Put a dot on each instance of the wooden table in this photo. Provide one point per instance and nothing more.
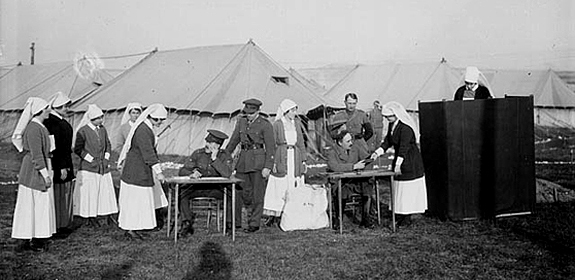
(376, 173)
(217, 182)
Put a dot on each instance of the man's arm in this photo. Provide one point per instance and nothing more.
(223, 164)
(190, 165)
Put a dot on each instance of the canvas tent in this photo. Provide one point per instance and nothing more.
(203, 87)
(412, 82)
(41, 80)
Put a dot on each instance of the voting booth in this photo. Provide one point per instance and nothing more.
(479, 157)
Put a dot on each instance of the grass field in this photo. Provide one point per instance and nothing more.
(537, 246)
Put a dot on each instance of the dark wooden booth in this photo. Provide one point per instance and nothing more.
(479, 157)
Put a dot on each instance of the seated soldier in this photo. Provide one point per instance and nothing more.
(345, 157)
(209, 161)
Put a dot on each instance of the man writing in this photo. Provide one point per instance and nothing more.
(345, 156)
(209, 161)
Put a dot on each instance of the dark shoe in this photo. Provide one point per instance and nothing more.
(270, 221)
(94, 222)
(23, 246)
(131, 235)
(38, 245)
(187, 229)
(251, 229)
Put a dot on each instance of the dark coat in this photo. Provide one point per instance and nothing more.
(338, 160)
(36, 146)
(403, 141)
(97, 145)
(140, 158)
(62, 155)
(480, 93)
(357, 123)
(258, 139)
(202, 161)
(280, 158)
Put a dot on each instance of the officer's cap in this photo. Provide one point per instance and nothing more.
(251, 105)
(216, 136)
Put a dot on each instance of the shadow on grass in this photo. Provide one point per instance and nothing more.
(118, 271)
(214, 264)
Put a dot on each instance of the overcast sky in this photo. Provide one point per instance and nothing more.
(299, 33)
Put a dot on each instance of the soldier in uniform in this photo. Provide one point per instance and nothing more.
(209, 161)
(255, 136)
(357, 123)
(376, 119)
(63, 134)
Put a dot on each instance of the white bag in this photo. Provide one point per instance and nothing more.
(305, 208)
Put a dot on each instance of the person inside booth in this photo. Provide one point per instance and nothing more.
(475, 86)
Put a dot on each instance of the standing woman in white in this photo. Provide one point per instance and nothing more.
(94, 193)
(409, 188)
(34, 214)
(140, 168)
(289, 161)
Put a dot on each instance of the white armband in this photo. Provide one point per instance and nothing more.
(44, 172)
(107, 156)
(379, 151)
(399, 161)
(157, 168)
(88, 158)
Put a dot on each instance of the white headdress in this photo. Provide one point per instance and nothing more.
(473, 75)
(59, 99)
(93, 112)
(285, 106)
(126, 116)
(34, 105)
(155, 111)
(394, 108)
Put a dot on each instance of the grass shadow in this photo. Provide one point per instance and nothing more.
(121, 271)
(214, 264)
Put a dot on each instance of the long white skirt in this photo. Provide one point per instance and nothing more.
(94, 194)
(34, 214)
(160, 200)
(137, 210)
(410, 196)
(276, 189)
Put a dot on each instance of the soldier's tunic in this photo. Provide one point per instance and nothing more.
(94, 192)
(357, 124)
(256, 140)
(62, 159)
(340, 160)
(202, 161)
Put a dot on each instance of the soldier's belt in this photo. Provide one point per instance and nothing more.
(252, 146)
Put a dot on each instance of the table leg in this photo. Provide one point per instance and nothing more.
(225, 208)
(176, 214)
(169, 209)
(340, 206)
(234, 212)
(392, 205)
(377, 201)
(329, 202)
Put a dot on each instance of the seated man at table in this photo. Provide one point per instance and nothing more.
(209, 161)
(346, 157)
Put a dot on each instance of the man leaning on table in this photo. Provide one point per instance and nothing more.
(344, 156)
(209, 161)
